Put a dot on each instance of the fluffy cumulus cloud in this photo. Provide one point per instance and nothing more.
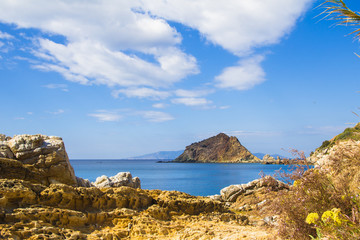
(103, 41)
(130, 46)
(236, 25)
(243, 76)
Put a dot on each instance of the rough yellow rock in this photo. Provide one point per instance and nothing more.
(58, 211)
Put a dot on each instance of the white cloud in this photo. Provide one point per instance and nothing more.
(5, 35)
(106, 116)
(60, 111)
(192, 93)
(245, 75)
(238, 26)
(115, 116)
(191, 101)
(159, 105)
(224, 107)
(62, 87)
(103, 40)
(130, 44)
(88, 62)
(142, 93)
(154, 116)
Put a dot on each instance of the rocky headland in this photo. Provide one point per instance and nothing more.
(218, 149)
(341, 146)
(41, 198)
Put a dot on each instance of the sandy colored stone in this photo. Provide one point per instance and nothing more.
(40, 158)
(232, 192)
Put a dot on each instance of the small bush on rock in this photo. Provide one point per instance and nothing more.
(322, 203)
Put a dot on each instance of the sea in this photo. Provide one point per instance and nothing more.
(199, 179)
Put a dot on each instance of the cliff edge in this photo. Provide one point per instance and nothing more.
(347, 142)
(218, 149)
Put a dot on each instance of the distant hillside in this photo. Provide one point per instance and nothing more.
(261, 155)
(160, 155)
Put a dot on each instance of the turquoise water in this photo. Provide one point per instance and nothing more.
(201, 179)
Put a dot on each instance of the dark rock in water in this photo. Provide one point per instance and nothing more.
(218, 149)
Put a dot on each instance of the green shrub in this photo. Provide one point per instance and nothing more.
(325, 144)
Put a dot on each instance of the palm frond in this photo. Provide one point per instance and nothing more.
(338, 11)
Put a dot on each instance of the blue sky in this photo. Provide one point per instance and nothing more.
(125, 78)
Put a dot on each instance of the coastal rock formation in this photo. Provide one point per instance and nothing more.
(58, 211)
(35, 158)
(40, 198)
(220, 148)
(232, 192)
(348, 143)
(120, 179)
(268, 158)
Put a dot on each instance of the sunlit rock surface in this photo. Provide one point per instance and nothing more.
(220, 148)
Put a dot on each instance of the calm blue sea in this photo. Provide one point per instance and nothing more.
(201, 179)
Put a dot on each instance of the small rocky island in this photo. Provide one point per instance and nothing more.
(218, 149)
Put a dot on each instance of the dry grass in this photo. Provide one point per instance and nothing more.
(331, 193)
(338, 11)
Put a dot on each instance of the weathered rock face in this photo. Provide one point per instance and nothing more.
(324, 157)
(268, 158)
(119, 180)
(36, 158)
(347, 142)
(58, 211)
(220, 148)
(40, 198)
(232, 192)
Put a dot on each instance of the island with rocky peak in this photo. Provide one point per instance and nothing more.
(218, 149)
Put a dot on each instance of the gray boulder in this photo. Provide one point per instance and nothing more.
(232, 192)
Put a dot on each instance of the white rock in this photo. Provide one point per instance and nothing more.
(120, 179)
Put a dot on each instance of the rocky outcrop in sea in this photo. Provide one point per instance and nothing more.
(218, 149)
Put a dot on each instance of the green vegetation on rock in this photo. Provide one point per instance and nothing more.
(349, 133)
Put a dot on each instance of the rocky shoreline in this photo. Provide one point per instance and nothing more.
(41, 198)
